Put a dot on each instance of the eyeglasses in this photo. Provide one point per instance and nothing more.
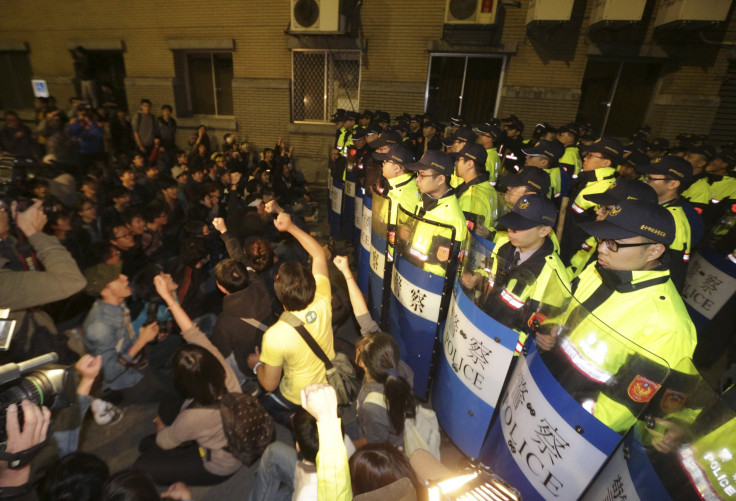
(124, 235)
(422, 176)
(651, 179)
(593, 155)
(614, 246)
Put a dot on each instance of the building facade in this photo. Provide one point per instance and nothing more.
(245, 67)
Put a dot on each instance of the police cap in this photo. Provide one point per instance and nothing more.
(359, 133)
(386, 138)
(624, 189)
(608, 146)
(529, 211)
(631, 218)
(708, 150)
(635, 160)
(570, 128)
(553, 150)
(435, 160)
(489, 128)
(474, 152)
(465, 134)
(671, 166)
(397, 153)
(534, 178)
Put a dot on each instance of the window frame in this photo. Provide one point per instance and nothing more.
(468, 55)
(187, 85)
(326, 52)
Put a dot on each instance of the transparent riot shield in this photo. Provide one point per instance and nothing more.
(357, 218)
(364, 249)
(348, 203)
(681, 448)
(568, 404)
(425, 261)
(490, 305)
(334, 215)
(710, 286)
(381, 235)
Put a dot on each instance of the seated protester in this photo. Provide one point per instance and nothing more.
(150, 182)
(524, 264)
(246, 314)
(88, 189)
(545, 155)
(193, 274)
(135, 221)
(86, 230)
(79, 476)
(113, 214)
(203, 377)
(286, 473)
(378, 465)
(208, 206)
(133, 258)
(138, 194)
(152, 239)
(476, 195)
(385, 399)
(333, 473)
(306, 295)
(200, 156)
(37, 187)
(621, 189)
(169, 194)
(194, 188)
(153, 309)
(108, 332)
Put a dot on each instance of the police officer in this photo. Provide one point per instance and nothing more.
(528, 180)
(545, 155)
(599, 168)
(630, 163)
(458, 139)
(397, 183)
(570, 161)
(431, 132)
(476, 195)
(667, 175)
(439, 204)
(511, 155)
(621, 189)
(415, 134)
(717, 186)
(529, 261)
(488, 136)
(628, 289)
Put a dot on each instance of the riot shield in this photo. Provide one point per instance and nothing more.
(425, 258)
(710, 284)
(357, 218)
(348, 203)
(681, 448)
(334, 215)
(364, 249)
(381, 233)
(478, 343)
(564, 410)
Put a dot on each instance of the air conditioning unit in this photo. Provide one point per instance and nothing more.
(671, 11)
(316, 17)
(549, 10)
(617, 10)
(471, 11)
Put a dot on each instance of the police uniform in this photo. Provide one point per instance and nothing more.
(571, 161)
(519, 283)
(643, 306)
(477, 197)
(588, 183)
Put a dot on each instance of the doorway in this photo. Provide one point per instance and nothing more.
(108, 67)
(616, 94)
(464, 84)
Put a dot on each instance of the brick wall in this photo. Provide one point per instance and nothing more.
(542, 81)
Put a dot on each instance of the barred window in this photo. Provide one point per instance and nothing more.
(323, 81)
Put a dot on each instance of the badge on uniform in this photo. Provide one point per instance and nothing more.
(672, 401)
(310, 317)
(443, 253)
(642, 389)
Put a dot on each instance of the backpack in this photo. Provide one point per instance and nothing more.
(247, 426)
(421, 432)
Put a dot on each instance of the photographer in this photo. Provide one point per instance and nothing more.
(24, 287)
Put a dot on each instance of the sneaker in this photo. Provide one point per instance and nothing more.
(105, 413)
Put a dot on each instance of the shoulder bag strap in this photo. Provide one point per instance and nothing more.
(297, 324)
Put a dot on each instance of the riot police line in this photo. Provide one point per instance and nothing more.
(596, 417)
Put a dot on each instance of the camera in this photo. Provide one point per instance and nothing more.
(38, 380)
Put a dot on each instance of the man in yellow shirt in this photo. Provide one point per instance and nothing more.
(305, 294)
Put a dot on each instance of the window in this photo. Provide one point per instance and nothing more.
(205, 82)
(16, 91)
(466, 85)
(323, 81)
